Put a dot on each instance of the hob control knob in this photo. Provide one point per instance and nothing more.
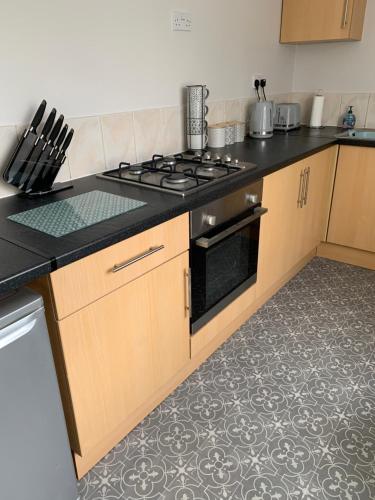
(210, 220)
(207, 155)
(217, 157)
(235, 161)
(227, 158)
(252, 198)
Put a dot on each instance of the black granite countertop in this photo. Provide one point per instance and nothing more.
(27, 253)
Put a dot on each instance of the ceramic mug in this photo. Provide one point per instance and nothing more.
(196, 101)
(197, 142)
(216, 136)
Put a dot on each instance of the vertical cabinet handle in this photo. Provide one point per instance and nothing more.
(345, 15)
(300, 190)
(306, 185)
(187, 277)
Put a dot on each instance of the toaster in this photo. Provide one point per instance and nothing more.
(287, 116)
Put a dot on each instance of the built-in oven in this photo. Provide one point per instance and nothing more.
(224, 251)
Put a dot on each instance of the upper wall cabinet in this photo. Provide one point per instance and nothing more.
(308, 21)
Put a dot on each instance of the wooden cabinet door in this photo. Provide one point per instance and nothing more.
(321, 20)
(352, 220)
(120, 349)
(279, 248)
(318, 193)
(288, 231)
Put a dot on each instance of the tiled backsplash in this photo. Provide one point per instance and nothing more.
(101, 142)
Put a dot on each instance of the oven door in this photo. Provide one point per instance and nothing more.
(223, 265)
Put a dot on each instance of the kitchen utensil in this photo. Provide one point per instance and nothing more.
(216, 136)
(43, 159)
(39, 143)
(59, 142)
(261, 120)
(51, 158)
(287, 116)
(61, 154)
(53, 168)
(24, 146)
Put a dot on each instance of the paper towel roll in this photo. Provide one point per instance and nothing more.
(317, 111)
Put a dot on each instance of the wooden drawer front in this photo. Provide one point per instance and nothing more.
(88, 279)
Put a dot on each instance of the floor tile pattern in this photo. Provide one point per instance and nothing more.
(285, 409)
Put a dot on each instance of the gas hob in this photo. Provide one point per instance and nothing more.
(181, 174)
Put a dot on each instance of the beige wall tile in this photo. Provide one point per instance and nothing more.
(147, 132)
(64, 173)
(232, 110)
(331, 110)
(86, 155)
(305, 99)
(216, 112)
(360, 103)
(8, 141)
(172, 131)
(279, 98)
(370, 117)
(118, 139)
(245, 104)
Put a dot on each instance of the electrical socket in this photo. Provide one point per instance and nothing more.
(256, 77)
(181, 21)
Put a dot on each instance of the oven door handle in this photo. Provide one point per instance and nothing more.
(209, 242)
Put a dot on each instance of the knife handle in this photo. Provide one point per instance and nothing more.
(67, 142)
(38, 116)
(48, 125)
(61, 138)
(56, 129)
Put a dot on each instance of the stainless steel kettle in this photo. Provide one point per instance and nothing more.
(261, 120)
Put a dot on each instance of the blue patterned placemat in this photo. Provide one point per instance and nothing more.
(66, 216)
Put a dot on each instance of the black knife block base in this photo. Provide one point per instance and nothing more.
(54, 189)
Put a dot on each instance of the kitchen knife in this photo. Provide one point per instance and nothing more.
(54, 169)
(65, 146)
(40, 184)
(24, 146)
(60, 139)
(39, 143)
(41, 162)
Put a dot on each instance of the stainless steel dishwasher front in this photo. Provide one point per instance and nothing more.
(35, 458)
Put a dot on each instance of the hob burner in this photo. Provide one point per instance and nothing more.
(169, 162)
(177, 178)
(136, 170)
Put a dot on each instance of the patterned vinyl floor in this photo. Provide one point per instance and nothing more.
(285, 409)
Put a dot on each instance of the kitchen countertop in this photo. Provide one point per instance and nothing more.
(27, 253)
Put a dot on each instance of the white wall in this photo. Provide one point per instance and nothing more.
(91, 57)
(338, 67)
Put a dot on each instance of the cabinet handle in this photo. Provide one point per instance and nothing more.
(133, 260)
(300, 191)
(345, 16)
(187, 276)
(306, 185)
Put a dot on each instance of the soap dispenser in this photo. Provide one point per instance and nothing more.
(349, 119)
